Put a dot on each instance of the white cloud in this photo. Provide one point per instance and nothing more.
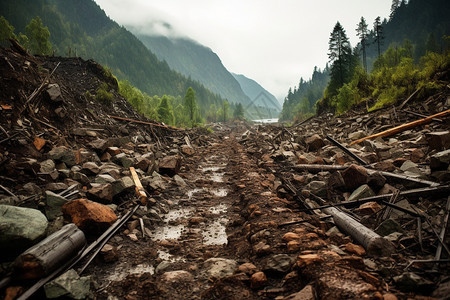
(274, 42)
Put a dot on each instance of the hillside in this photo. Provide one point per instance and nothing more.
(81, 28)
(197, 62)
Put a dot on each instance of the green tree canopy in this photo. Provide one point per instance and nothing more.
(6, 32)
(362, 32)
(165, 111)
(238, 113)
(190, 104)
(38, 37)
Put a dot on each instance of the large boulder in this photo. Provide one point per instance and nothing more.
(89, 216)
(20, 227)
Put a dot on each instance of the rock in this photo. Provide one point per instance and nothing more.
(122, 185)
(261, 248)
(307, 293)
(177, 276)
(56, 186)
(63, 154)
(411, 282)
(416, 155)
(123, 160)
(336, 181)
(318, 188)
(80, 177)
(290, 236)
(293, 246)
(376, 181)
(247, 268)
(387, 227)
(88, 215)
(54, 202)
(69, 285)
(387, 189)
(389, 296)
(170, 165)
(99, 145)
(369, 208)
(113, 151)
(356, 135)
(354, 176)
(278, 263)
(340, 158)
(363, 191)
(258, 280)
(440, 161)
(185, 149)
(15, 234)
(355, 249)
(90, 168)
(438, 140)
(314, 142)
(409, 166)
(101, 191)
(219, 267)
(308, 259)
(104, 178)
(442, 291)
(32, 188)
(142, 163)
(53, 92)
(179, 181)
(47, 166)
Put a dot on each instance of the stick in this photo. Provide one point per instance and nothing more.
(409, 98)
(142, 122)
(422, 115)
(140, 191)
(6, 190)
(444, 227)
(350, 153)
(403, 127)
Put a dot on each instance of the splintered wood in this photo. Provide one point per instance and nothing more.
(140, 191)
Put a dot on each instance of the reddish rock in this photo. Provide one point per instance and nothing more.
(307, 293)
(142, 163)
(389, 296)
(369, 208)
(290, 236)
(88, 215)
(39, 143)
(417, 155)
(386, 165)
(354, 176)
(355, 249)
(340, 158)
(247, 268)
(170, 165)
(314, 142)
(109, 253)
(258, 280)
(439, 140)
(187, 150)
(113, 151)
(308, 259)
(293, 246)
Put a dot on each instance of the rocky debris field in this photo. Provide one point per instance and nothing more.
(245, 212)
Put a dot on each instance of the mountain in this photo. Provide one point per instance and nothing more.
(257, 94)
(81, 28)
(196, 61)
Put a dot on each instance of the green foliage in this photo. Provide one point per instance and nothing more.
(238, 113)
(6, 32)
(190, 105)
(224, 111)
(102, 95)
(38, 37)
(165, 111)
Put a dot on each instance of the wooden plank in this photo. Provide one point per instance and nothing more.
(140, 191)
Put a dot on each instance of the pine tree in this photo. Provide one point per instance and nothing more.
(6, 32)
(239, 112)
(165, 111)
(340, 55)
(190, 104)
(38, 36)
(362, 32)
(395, 4)
(378, 31)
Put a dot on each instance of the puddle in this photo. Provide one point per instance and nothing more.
(168, 232)
(177, 213)
(215, 233)
(192, 192)
(217, 177)
(219, 192)
(221, 208)
(212, 169)
(123, 271)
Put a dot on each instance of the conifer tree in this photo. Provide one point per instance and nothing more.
(362, 32)
(340, 55)
(190, 104)
(6, 31)
(38, 37)
(378, 31)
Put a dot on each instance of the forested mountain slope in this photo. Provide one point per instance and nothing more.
(81, 28)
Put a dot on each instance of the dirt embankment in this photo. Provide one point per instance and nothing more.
(229, 213)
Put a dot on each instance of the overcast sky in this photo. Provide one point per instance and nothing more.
(274, 42)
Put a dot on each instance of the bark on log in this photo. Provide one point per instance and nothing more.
(140, 191)
(44, 257)
(403, 127)
(374, 244)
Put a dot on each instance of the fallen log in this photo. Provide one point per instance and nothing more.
(403, 127)
(142, 122)
(374, 244)
(351, 154)
(44, 257)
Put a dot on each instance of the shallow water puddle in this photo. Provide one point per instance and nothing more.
(221, 208)
(219, 192)
(121, 272)
(217, 177)
(177, 214)
(168, 232)
(215, 233)
(191, 193)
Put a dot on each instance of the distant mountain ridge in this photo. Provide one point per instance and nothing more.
(257, 94)
(196, 61)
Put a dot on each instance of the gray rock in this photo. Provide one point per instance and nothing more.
(438, 140)
(357, 135)
(122, 185)
(318, 188)
(47, 166)
(179, 181)
(101, 191)
(90, 168)
(63, 154)
(307, 293)
(17, 234)
(80, 177)
(54, 92)
(280, 263)
(440, 161)
(104, 178)
(410, 167)
(411, 282)
(56, 186)
(99, 144)
(32, 188)
(220, 267)
(389, 226)
(361, 192)
(69, 285)
(314, 142)
(123, 160)
(53, 205)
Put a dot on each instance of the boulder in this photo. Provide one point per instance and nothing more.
(90, 168)
(99, 145)
(47, 166)
(354, 176)
(69, 285)
(88, 215)
(170, 165)
(220, 267)
(314, 142)
(20, 227)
